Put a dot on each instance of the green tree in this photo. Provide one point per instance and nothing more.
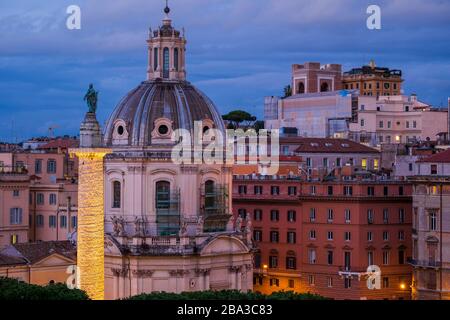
(239, 119)
(287, 91)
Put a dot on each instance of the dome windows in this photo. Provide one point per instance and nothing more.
(120, 130)
(166, 64)
(163, 129)
(120, 133)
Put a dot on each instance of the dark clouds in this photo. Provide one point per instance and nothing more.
(238, 51)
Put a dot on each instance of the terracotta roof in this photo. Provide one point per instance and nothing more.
(60, 143)
(438, 157)
(328, 145)
(35, 252)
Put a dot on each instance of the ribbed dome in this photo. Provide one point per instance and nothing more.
(178, 101)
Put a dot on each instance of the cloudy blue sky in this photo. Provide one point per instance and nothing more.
(238, 52)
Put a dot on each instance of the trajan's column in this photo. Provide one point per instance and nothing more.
(90, 230)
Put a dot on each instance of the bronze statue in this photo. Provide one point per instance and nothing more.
(91, 99)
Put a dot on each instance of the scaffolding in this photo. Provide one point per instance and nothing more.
(168, 212)
(215, 207)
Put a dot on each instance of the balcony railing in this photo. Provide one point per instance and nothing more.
(13, 170)
(424, 263)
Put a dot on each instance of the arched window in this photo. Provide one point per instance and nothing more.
(324, 87)
(167, 209)
(116, 194)
(175, 58)
(210, 196)
(155, 58)
(166, 64)
(301, 88)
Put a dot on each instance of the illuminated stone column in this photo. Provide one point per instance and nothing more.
(91, 228)
(91, 231)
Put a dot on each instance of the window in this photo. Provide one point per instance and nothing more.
(37, 166)
(273, 262)
(414, 124)
(364, 164)
(312, 190)
(291, 216)
(16, 193)
(274, 190)
(63, 221)
(401, 257)
(291, 283)
(52, 221)
(312, 234)
(385, 190)
(52, 199)
(432, 221)
(274, 236)
(338, 162)
(385, 282)
(330, 190)
(389, 124)
(312, 214)
(292, 191)
(274, 215)
(308, 162)
(407, 124)
(312, 256)
(385, 257)
(242, 189)
(386, 216)
(175, 58)
(330, 215)
(15, 216)
(330, 257)
(274, 282)
(410, 167)
(117, 190)
(155, 59)
(369, 236)
(39, 220)
(370, 191)
(291, 263)
(330, 235)
(40, 198)
(376, 164)
(325, 162)
(257, 235)
(74, 222)
(370, 260)
(257, 260)
(14, 239)
(381, 124)
(347, 216)
(242, 213)
(258, 189)
(291, 237)
(167, 211)
(329, 282)
(348, 190)
(347, 260)
(362, 123)
(51, 166)
(401, 215)
(257, 215)
(311, 280)
(385, 235)
(166, 62)
(347, 236)
(370, 217)
(400, 191)
(347, 283)
(433, 169)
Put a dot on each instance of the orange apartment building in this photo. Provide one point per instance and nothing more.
(48, 202)
(320, 235)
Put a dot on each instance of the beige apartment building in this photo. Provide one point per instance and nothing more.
(431, 228)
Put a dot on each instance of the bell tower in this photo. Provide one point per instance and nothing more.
(166, 51)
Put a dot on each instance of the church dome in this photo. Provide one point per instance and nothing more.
(150, 112)
(163, 103)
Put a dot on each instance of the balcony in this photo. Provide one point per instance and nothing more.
(424, 263)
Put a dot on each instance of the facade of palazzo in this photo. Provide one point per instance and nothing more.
(168, 227)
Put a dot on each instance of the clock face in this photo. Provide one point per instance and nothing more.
(386, 85)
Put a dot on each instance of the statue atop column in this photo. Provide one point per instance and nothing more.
(91, 99)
